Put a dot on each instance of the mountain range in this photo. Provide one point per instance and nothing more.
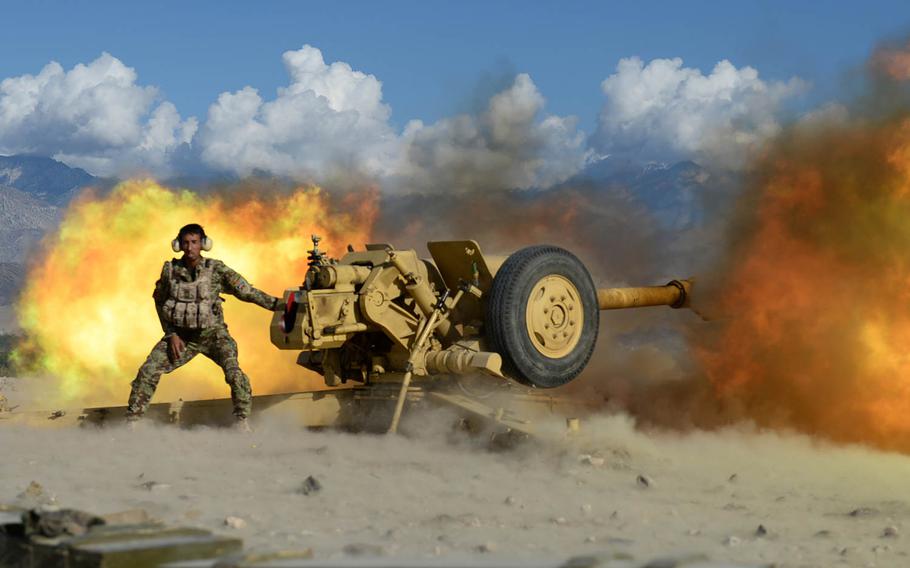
(35, 190)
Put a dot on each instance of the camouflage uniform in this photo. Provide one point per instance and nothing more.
(188, 303)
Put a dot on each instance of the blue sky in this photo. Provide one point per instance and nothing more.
(436, 60)
(431, 56)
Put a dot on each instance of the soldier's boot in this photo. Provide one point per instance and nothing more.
(241, 394)
(142, 389)
(135, 410)
(241, 424)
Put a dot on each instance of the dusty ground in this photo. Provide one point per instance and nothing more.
(426, 494)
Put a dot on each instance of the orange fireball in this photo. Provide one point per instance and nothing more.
(87, 308)
(818, 287)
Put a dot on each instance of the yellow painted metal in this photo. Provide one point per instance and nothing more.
(674, 294)
(554, 316)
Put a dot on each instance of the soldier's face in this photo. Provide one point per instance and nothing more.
(191, 245)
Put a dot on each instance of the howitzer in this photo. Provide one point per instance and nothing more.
(531, 317)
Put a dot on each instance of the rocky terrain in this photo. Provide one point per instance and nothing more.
(738, 495)
(33, 192)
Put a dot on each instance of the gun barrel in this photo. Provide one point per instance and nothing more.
(675, 294)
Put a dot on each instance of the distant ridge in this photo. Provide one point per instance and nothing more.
(45, 179)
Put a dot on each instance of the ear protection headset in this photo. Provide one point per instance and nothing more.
(206, 243)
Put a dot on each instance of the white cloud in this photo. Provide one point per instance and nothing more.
(508, 146)
(94, 116)
(664, 111)
(330, 117)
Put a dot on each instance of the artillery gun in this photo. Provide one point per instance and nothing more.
(379, 318)
(384, 314)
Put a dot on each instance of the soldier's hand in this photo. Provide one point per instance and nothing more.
(175, 347)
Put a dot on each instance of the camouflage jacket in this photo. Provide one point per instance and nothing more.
(214, 278)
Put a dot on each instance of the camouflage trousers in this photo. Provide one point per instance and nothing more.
(216, 344)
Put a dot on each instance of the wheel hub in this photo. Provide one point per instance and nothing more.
(554, 316)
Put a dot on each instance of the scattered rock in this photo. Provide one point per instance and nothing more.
(129, 517)
(677, 561)
(559, 520)
(732, 541)
(644, 481)
(363, 549)
(890, 532)
(863, 512)
(693, 532)
(586, 508)
(34, 491)
(824, 533)
(599, 560)
(154, 486)
(52, 522)
(589, 459)
(733, 478)
(442, 519)
(35, 495)
(234, 522)
(509, 500)
(486, 547)
(591, 539)
(615, 515)
(310, 485)
(761, 531)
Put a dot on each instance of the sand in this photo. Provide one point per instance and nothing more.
(430, 494)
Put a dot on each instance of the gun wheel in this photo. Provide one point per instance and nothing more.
(554, 316)
(542, 316)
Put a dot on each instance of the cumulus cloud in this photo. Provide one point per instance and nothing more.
(664, 111)
(329, 117)
(508, 146)
(94, 116)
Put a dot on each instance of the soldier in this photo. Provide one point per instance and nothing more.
(187, 298)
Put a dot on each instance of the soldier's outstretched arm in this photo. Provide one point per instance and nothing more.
(236, 285)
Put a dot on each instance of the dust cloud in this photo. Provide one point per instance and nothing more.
(610, 487)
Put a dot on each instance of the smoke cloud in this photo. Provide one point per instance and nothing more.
(509, 146)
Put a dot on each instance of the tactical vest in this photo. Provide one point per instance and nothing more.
(192, 305)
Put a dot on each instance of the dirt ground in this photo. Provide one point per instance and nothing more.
(737, 495)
